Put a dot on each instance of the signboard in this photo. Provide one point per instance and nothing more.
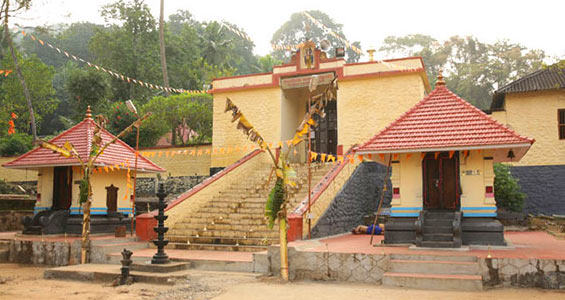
(304, 81)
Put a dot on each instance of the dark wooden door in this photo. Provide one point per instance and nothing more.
(112, 198)
(324, 138)
(62, 187)
(441, 181)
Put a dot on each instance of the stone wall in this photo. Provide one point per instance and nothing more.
(44, 253)
(12, 220)
(328, 266)
(544, 187)
(525, 273)
(358, 197)
(174, 186)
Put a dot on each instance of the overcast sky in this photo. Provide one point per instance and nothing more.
(535, 24)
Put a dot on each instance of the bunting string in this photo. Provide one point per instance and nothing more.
(105, 70)
(333, 33)
(238, 32)
(11, 125)
(5, 72)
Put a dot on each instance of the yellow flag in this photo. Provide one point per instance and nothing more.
(331, 158)
(215, 150)
(289, 142)
(208, 151)
(199, 152)
(160, 153)
(313, 155)
(323, 157)
(351, 159)
(296, 140)
(192, 152)
(229, 149)
(106, 169)
(168, 153)
(280, 144)
(340, 158)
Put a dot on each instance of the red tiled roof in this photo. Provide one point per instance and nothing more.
(80, 136)
(442, 120)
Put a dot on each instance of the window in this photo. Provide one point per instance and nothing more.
(561, 123)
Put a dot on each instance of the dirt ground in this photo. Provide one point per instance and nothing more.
(26, 282)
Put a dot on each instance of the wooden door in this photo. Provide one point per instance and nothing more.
(62, 187)
(441, 181)
(112, 198)
(324, 137)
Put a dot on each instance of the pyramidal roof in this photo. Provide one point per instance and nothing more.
(442, 121)
(80, 136)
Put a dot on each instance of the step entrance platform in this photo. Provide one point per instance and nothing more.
(109, 273)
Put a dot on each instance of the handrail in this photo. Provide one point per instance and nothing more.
(321, 187)
(208, 181)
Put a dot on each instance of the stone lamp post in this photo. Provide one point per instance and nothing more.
(161, 257)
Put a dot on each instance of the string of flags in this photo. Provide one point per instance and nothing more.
(333, 33)
(102, 69)
(238, 32)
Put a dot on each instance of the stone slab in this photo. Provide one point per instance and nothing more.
(160, 268)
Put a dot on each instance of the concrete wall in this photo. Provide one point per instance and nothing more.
(544, 187)
(525, 273)
(180, 161)
(534, 115)
(358, 197)
(15, 175)
(365, 106)
(262, 107)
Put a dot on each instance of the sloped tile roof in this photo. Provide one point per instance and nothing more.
(80, 136)
(551, 78)
(442, 120)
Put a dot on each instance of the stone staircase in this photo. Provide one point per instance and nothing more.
(434, 272)
(438, 229)
(233, 220)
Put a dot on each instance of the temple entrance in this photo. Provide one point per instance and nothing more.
(324, 137)
(62, 188)
(112, 198)
(441, 181)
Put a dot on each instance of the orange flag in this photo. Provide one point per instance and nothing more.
(408, 155)
(289, 142)
(395, 156)
(360, 157)
(199, 152)
(370, 156)
(207, 151)
(436, 155)
(351, 159)
(382, 156)
(451, 154)
(106, 169)
(422, 155)
(465, 153)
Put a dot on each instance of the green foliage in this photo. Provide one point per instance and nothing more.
(15, 144)
(39, 79)
(83, 190)
(473, 69)
(507, 190)
(179, 113)
(7, 188)
(88, 88)
(274, 202)
(266, 63)
(120, 117)
(294, 32)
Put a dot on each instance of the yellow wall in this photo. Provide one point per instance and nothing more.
(534, 115)
(475, 173)
(366, 106)
(99, 183)
(182, 163)
(262, 107)
(14, 174)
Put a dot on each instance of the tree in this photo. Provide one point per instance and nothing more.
(119, 117)
(179, 113)
(88, 88)
(295, 31)
(266, 63)
(507, 190)
(474, 70)
(129, 46)
(39, 79)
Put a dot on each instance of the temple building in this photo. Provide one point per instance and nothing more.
(57, 209)
(534, 105)
(441, 153)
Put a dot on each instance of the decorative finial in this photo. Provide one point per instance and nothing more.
(371, 54)
(440, 81)
(88, 113)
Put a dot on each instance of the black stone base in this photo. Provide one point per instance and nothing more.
(98, 223)
(400, 231)
(475, 231)
(46, 222)
(482, 231)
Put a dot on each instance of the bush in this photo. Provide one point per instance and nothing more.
(15, 144)
(507, 190)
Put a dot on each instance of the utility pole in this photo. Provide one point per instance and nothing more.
(162, 48)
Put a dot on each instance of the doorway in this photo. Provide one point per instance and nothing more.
(62, 187)
(441, 181)
(112, 198)
(324, 136)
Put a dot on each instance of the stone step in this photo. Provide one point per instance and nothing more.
(434, 281)
(438, 223)
(225, 227)
(421, 257)
(222, 240)
(220, 233)
(99, 252)
(217, 247)
(205, 221)
(112, 240)
(438, 237)
(439, 244)
(437, 229)
(434, 267)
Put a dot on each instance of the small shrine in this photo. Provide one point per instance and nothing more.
(57, 209)
(441, 153)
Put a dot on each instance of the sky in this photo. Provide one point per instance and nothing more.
(535, 24)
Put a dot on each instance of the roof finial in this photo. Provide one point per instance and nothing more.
(440, 81)
(88, 113)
